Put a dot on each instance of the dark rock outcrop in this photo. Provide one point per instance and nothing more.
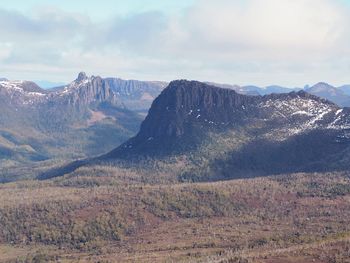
(185, 101)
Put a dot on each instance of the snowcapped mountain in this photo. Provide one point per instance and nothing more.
(22, 92)
(131, 94)
(84, 118)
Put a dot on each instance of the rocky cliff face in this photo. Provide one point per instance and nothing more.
(134, 94)
(135, 88)
(86, 90)
(183, 102)
(130, 94)
(80, 93)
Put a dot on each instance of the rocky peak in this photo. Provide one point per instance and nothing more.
(184, 102)
(85, 90)
(81, 77)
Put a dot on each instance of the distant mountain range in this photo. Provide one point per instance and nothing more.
(255, 90)
(340, 95)
(92, 115)
(138, 95)
(88, 117)
(215, 133)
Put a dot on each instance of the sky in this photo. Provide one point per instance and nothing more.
(245, 42)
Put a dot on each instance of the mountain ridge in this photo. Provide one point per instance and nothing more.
(189, 117)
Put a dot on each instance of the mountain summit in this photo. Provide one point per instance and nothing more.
(81, 76)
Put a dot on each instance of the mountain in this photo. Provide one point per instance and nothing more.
(189, 109)
(82, 119)
(53, 111)
(216, 133)
(337, 95)
(134, 95)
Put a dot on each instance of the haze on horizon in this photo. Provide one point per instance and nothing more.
(259, 42)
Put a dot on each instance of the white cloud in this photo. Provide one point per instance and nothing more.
(250, 39)
(265, 28)
(290, 42)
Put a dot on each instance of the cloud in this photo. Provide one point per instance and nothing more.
(270, 25)
(252, 38)
(244, 41)
(49, 24)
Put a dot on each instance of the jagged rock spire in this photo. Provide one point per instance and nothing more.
(81, 76)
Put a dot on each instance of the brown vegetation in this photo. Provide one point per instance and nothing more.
(112, 215)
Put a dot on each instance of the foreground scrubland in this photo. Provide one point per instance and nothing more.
(114, 215)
